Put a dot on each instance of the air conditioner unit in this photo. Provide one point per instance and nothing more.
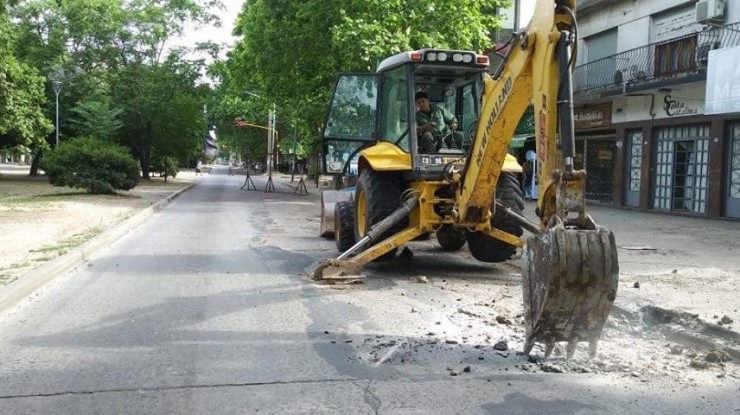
(710, 11)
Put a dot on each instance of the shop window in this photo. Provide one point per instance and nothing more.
(682, 168)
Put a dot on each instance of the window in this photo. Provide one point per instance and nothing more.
(351, 120)
(469, 116)
(635, 160)
(601, 50)
(676, 56)
(682, 168)
(394, 120)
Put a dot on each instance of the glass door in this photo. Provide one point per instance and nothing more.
(732, 202)
(634, 168)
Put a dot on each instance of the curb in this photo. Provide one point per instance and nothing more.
(28, 282)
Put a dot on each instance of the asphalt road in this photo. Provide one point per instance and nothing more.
(204, 309)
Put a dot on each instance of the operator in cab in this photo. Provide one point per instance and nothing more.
(435, 125)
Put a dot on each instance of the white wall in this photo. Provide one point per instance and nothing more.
(507, 17)
(633, 34)
(605, 16)
(732, 11)
(526, 11)
(688, 100)
(633, 17)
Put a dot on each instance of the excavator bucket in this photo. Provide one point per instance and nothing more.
(329, 200)
(570, 279)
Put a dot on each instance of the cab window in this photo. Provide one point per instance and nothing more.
(394, 117)
(351, 121)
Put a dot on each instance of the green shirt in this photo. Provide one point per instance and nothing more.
(438, 115)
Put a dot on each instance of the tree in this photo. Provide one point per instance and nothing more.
(293, 51)
(96, 119)
(114, 52)
(22, 121)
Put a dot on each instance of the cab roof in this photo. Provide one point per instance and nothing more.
(437, 57)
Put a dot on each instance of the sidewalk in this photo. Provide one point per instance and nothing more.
(51, 229)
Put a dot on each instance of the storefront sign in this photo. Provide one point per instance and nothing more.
(593, 116)
(723, 81)
(676, 107)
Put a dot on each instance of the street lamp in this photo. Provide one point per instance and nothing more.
(57, 85)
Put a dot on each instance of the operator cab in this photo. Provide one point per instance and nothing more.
(379, 110)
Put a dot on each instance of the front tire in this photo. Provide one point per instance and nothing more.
(377, 195)
(487, 249)
(344, 222)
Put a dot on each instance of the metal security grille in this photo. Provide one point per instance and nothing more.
(663, 175)
(682, 168)
(599, 165)
(735, 163)
(635, 160)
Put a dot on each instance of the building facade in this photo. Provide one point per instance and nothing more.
(644, 131)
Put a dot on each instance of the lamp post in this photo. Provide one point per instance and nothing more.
(57, 85)
(295, 155)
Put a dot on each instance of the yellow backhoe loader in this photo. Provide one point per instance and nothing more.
(464, 187)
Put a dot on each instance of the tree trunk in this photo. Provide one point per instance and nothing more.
(34, 171)
(144, 160)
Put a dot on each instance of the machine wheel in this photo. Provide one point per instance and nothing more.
(487, 249)
(344, 222)
(450, 238)
(377, 195)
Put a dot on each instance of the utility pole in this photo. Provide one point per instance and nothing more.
(295, 155)
(57, 84)
(269, 187)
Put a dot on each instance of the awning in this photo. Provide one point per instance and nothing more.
(518, 140)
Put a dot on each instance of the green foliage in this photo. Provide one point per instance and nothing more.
(92, 164)
(111, 52)
(21, 92)
(165, 166)
(96, 119)
(293, 51)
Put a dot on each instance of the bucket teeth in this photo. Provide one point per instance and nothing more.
(570, 279)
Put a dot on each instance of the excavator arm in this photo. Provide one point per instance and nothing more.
(570, 268)
(531, 73)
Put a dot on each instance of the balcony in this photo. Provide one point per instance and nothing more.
(676, 61)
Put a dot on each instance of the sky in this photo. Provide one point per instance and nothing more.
(222, 34)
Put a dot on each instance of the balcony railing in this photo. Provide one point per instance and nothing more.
(678, 60)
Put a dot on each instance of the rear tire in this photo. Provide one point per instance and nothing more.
(450, 238)
(377, 195)
(487, 249)
(344, 221)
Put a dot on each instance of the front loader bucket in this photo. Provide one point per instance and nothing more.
(329, 200)
(570, 279)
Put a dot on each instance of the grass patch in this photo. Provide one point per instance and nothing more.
(66, 244)
(6, 278)
(44, 258)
